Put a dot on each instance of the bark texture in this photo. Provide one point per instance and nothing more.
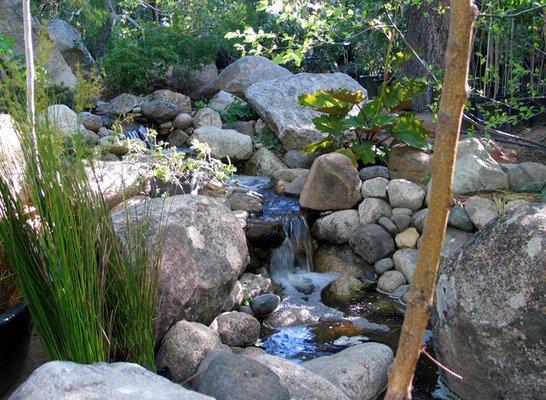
(426, 33)
(454, 94)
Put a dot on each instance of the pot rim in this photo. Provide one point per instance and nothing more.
(13, 312)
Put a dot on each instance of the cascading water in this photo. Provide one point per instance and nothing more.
(295, 255)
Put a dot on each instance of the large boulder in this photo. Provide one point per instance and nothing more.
(57, 70)
(11, 154)
(181, 101)
(119, 105)
(118, 381)
(276, 101)
(263, 162)
(489, 318)
(68, 41)
(225, 143)
(359, 371)
(63, 118)
(183, 348)
(204, 251)
(476, 170)
(236, 377)
(331, 175)
(245, 71)
(526, 177)
(117, 181)
(300, 382)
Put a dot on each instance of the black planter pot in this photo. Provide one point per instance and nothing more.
(15, 334)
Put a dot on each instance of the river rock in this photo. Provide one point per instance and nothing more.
(330, 175)
(245, 201)
(372, 242)
(375, 171)
(388, 225)
(339, 259)
(236, 329)
(183, 348)
(419, 218)
(91, 122)
(481, 210)
(405, 261)
(336, 227)
(488, 321)
(286, 317)
(383, 265)
(390, 281)
(409, 164)
(300, 381)
(265, 233)
(345, 289)
(178, 138)
(117, 381)
(265, 304)
(276, 101)
(458, 218)
(371, 210)
(207, 117)
(183, 121)
(204, 251)
(255, 285)
(299, 159)
(295, 187)
(159, 110)
(263, 162)
(406, 194)
(230, 376)
(235, 298)
(401, 220)
(359, 371)
(407, 238)
(119, 105)
(241, 74)
(225, 143)
(526, 177)
(476, 170)
(68, 41)
(375, 187)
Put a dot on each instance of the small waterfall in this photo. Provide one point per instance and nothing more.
(295, 255)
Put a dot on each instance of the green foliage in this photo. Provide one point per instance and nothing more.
(317, 36)
(199, 104)
(237, 111)
(177, 172)
(268, 139)
(90, 299)
(358, 129)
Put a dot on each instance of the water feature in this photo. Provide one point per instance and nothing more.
(376, 318)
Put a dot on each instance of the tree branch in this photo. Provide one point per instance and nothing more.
(515, 15)
(421, 297)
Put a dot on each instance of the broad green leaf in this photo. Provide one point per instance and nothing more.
(330, 124)
(381, 120)
(325, 103)
(371, 108)
(410, 130)
(365, 152)
(323, 144)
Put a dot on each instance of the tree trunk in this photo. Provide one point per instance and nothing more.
(421, 297)
(427, 33)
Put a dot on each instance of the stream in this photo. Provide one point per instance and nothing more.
(375, 318)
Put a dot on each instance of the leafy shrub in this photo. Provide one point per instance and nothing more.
(178, 172)
(358, 129)
(237, 111)
(268, 139)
